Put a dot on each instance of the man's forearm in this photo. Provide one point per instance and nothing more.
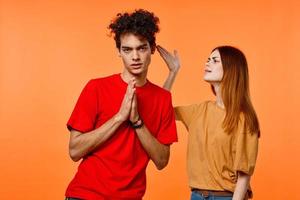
(159, 153)
(82, 144)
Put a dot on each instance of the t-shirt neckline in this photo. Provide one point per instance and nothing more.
(217, 106)
(138, 87)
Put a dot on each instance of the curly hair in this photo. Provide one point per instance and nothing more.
(141, 22)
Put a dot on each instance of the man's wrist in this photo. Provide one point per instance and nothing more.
(137, 124)
(118, 118)
(135, 120)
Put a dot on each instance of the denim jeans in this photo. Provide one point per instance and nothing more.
(197, 196)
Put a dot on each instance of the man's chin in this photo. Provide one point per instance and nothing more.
(137, 72)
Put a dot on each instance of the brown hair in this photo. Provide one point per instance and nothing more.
(141, 23)
(235, 91)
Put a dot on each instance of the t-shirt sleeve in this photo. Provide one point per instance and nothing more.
(84, 115)
(246, 152)
(185, 114)
(167, 133)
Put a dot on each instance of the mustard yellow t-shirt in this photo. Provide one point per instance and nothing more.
(213, 156)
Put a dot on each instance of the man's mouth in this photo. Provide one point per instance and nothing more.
(136, 64)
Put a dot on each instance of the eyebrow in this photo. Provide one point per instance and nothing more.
(140, 46)
(213, 57)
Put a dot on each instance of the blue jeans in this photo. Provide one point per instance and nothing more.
(197, 196)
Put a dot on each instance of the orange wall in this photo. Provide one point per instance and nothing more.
(50, 49)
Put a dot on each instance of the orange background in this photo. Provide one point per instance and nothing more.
(50, 49)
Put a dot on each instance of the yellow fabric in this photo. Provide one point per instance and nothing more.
(213, 156)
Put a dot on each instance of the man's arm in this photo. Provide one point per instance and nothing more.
(159, 153)
(241, 186)
(82, 144)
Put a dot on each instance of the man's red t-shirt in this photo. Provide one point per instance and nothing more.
(116, 169)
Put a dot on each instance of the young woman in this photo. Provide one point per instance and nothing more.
(223, 134)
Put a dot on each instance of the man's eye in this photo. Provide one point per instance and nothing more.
(143, 48)
(126, 50)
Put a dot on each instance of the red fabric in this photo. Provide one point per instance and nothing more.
(117, 168)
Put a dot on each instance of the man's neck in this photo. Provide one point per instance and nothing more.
(141, 79)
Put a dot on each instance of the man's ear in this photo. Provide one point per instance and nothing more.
(118, 52)
(153, 48)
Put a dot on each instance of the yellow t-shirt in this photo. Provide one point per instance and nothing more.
(213, 156)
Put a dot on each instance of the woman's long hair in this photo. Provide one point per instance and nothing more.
(235, 91)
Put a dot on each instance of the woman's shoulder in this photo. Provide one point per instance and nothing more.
(195, 105)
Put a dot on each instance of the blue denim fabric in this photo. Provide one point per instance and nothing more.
(197, 196)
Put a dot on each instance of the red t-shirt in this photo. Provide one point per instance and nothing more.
(116, 169)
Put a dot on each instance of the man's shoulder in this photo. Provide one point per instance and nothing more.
(94, 82)
(108, 78)
(159, 90)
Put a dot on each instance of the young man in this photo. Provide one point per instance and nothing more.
(122, 121)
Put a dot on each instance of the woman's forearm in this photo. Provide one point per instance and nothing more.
(241, 186)
(170, 81)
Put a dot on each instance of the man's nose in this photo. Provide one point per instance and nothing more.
(135, 55)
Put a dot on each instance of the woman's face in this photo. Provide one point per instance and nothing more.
(213, 72)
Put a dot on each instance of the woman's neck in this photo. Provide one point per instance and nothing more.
(219, 100)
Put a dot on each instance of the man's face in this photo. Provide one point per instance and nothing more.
(136, 53)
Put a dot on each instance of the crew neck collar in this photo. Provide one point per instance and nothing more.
(125, 83)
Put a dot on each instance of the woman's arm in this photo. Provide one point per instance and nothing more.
(173, 64)
(241, 186)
